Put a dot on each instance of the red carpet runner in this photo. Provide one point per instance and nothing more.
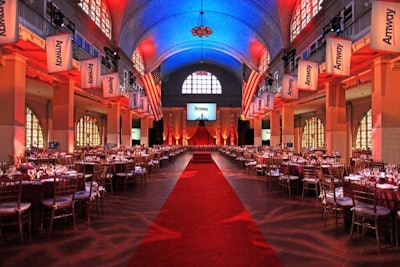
(203, 223)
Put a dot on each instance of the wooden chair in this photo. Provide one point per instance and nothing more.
(287, 182)
(310, 180)
(367, 214)
(87, 199)
(337, 170)
(108, 177)
(332, 203)
(61, 204)
(12, 210)
(140, 171)
(126, 177)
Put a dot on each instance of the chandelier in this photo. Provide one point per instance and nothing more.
(201, 30)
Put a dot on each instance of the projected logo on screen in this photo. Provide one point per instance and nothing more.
(201, 111)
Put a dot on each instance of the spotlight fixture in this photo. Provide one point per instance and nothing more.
(201, 29)
(58, 18)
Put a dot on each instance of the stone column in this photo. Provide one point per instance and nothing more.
(385, 111)
(275, 125)
(12, 99)
(113, 123)
(63, 115)
(257, 124)
(336, 123)
(287, 124)
(144, 131)
(126, 127)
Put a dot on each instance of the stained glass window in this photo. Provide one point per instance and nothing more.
(313, 134)
(364, 132)
(87, 132)
(33, 131)
(304, 11)
(98, 12)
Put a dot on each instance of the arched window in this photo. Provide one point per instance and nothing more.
(87, 132)
(364, 132)
(137, 60)
(304, 11)
(264, 61)
(313, 134)
(201, 82)
(98, 12)
(33, 131)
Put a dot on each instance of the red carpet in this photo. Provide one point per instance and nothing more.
(203, 223)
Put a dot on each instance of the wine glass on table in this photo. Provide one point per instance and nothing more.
(31, 173)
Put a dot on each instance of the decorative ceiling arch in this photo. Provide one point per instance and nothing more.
(236, 25)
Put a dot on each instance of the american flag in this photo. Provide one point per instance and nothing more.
(251, 79)
(156, 74)
(152, 84)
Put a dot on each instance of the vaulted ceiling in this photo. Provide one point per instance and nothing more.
(241, 29)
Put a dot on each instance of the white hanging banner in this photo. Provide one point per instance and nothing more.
(289, 87)
(385, 21)
(268, 99)
(250, 113)
(134, 99)
(307, 77)
(144, 103)
(338, 55)
(90, 73)
(258, 105)
(59, 52)
(8, 22)
(111, 85)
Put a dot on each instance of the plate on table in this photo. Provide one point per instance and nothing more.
(353, 177)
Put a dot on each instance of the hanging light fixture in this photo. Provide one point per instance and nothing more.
(201, 29)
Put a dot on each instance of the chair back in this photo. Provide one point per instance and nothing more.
(310, 171)
(364, 194)
(337, 170)
(130, 167)
(64, 187)
(10, 190)
(327, 188)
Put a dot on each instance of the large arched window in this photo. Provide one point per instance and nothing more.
(265, 59)
(201, 82)
(98, 12)
(304, 11)
(313, 134)
(87, 132)
(33, 131)
(364, 132)
(137, 60)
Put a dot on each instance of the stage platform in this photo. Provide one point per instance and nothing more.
(202, 157)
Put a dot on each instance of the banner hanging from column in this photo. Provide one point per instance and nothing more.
(111, 85)
(258, 105)
(8, 22)
(250, 112)
(385, 21)
(307, 77)
(90, 73)
(268, 99)
(289, 87)
(144, 103)
(134, 97)
(338, 55)
(59, 52)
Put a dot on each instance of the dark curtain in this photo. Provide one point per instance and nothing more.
(201, 137)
